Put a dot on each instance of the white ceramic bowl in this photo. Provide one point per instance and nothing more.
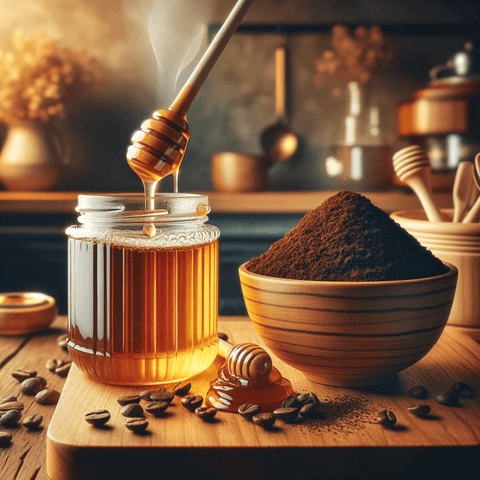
(349, 334)
(457, 243)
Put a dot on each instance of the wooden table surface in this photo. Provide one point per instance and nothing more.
(352, 446)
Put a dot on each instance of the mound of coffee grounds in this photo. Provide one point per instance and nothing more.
(347, 239)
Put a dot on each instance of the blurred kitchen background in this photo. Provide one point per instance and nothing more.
(235, 105)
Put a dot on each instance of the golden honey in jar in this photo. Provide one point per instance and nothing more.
(142, 288)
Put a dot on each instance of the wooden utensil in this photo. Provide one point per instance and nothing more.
(463, 187)
(279, 142)
(159, 146)
(412, 166)
(474, 214)
(246, 360)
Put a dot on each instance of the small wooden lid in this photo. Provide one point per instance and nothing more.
(26, 312)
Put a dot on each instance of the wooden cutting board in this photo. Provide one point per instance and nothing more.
(348, 442)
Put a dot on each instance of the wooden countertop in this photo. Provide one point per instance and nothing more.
(447, 441)
(261, 202)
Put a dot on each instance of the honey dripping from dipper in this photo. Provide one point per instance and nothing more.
(247, 376)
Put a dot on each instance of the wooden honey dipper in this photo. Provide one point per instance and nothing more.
(246, 360)
(159, 146)
(412, 166)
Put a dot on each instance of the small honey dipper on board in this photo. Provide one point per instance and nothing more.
(159, 146)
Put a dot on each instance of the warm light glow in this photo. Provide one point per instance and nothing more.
(356, 165)
(454, 145)
(333, 167)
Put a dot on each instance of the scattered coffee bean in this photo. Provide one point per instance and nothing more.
(462, 389)
(7, 400)
(448, 399)
(43, 380)
(310, 410)
(97, 418)
(62, 370)
(163, 395)
(127, 399)
(387, 418)
(205, 413)
(419, 392)
(290, 401)
(419, 410)
(181, 390)
(22, 375)
(53, 364)
(5, 439)
(248, 410)
(192, 402)
(307, 398)
(31, 386)
(132, 410)
(12, 406)
(47, 396)
(156, 408)
(33, 422)
(288, 414)
(223, 336)
(10, 418)
(62, 341)
(136, 425)
(145, 394)
(264, 420)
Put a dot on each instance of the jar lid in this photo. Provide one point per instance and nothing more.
(26, 312)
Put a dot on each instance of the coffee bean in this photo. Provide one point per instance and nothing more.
(264, 420)
(290, 401)
(462, 389)
(10, 418)
(419, 410)
(43, 380)
(163, 395)
(47, 397)
(53, 364)
(156, 408)
(419, 392)
(97, 418)
(307, 398)
(127, 399)
(12, 406)
(448, 399)
(62, 341)
(7, 400)
(145, 394)
(310, 410)
(205, 413)
(62, 370)
(181, 390)
(192, 402)
(223, 336)
(136, 425)
(5, 439)
(248, 410)
(132, 410)
(387, 418)
(22, 375)
(31, 386)
(288, 415)
(33, 421)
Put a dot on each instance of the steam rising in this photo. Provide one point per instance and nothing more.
(177, 31)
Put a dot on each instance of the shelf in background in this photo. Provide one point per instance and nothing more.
(258, 202)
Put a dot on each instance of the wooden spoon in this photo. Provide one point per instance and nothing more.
(412, 166)
(462, 189)
(474, 214)
(246, 360)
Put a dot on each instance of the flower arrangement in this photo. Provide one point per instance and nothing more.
(353, 58)
(39, 80)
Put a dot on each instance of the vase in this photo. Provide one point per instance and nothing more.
(33, 157)
(359, 156)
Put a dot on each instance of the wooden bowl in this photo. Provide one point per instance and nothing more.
(349, 334)
(22, 313)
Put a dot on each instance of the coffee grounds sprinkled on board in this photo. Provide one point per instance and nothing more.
(343, 414)
(347, 239)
